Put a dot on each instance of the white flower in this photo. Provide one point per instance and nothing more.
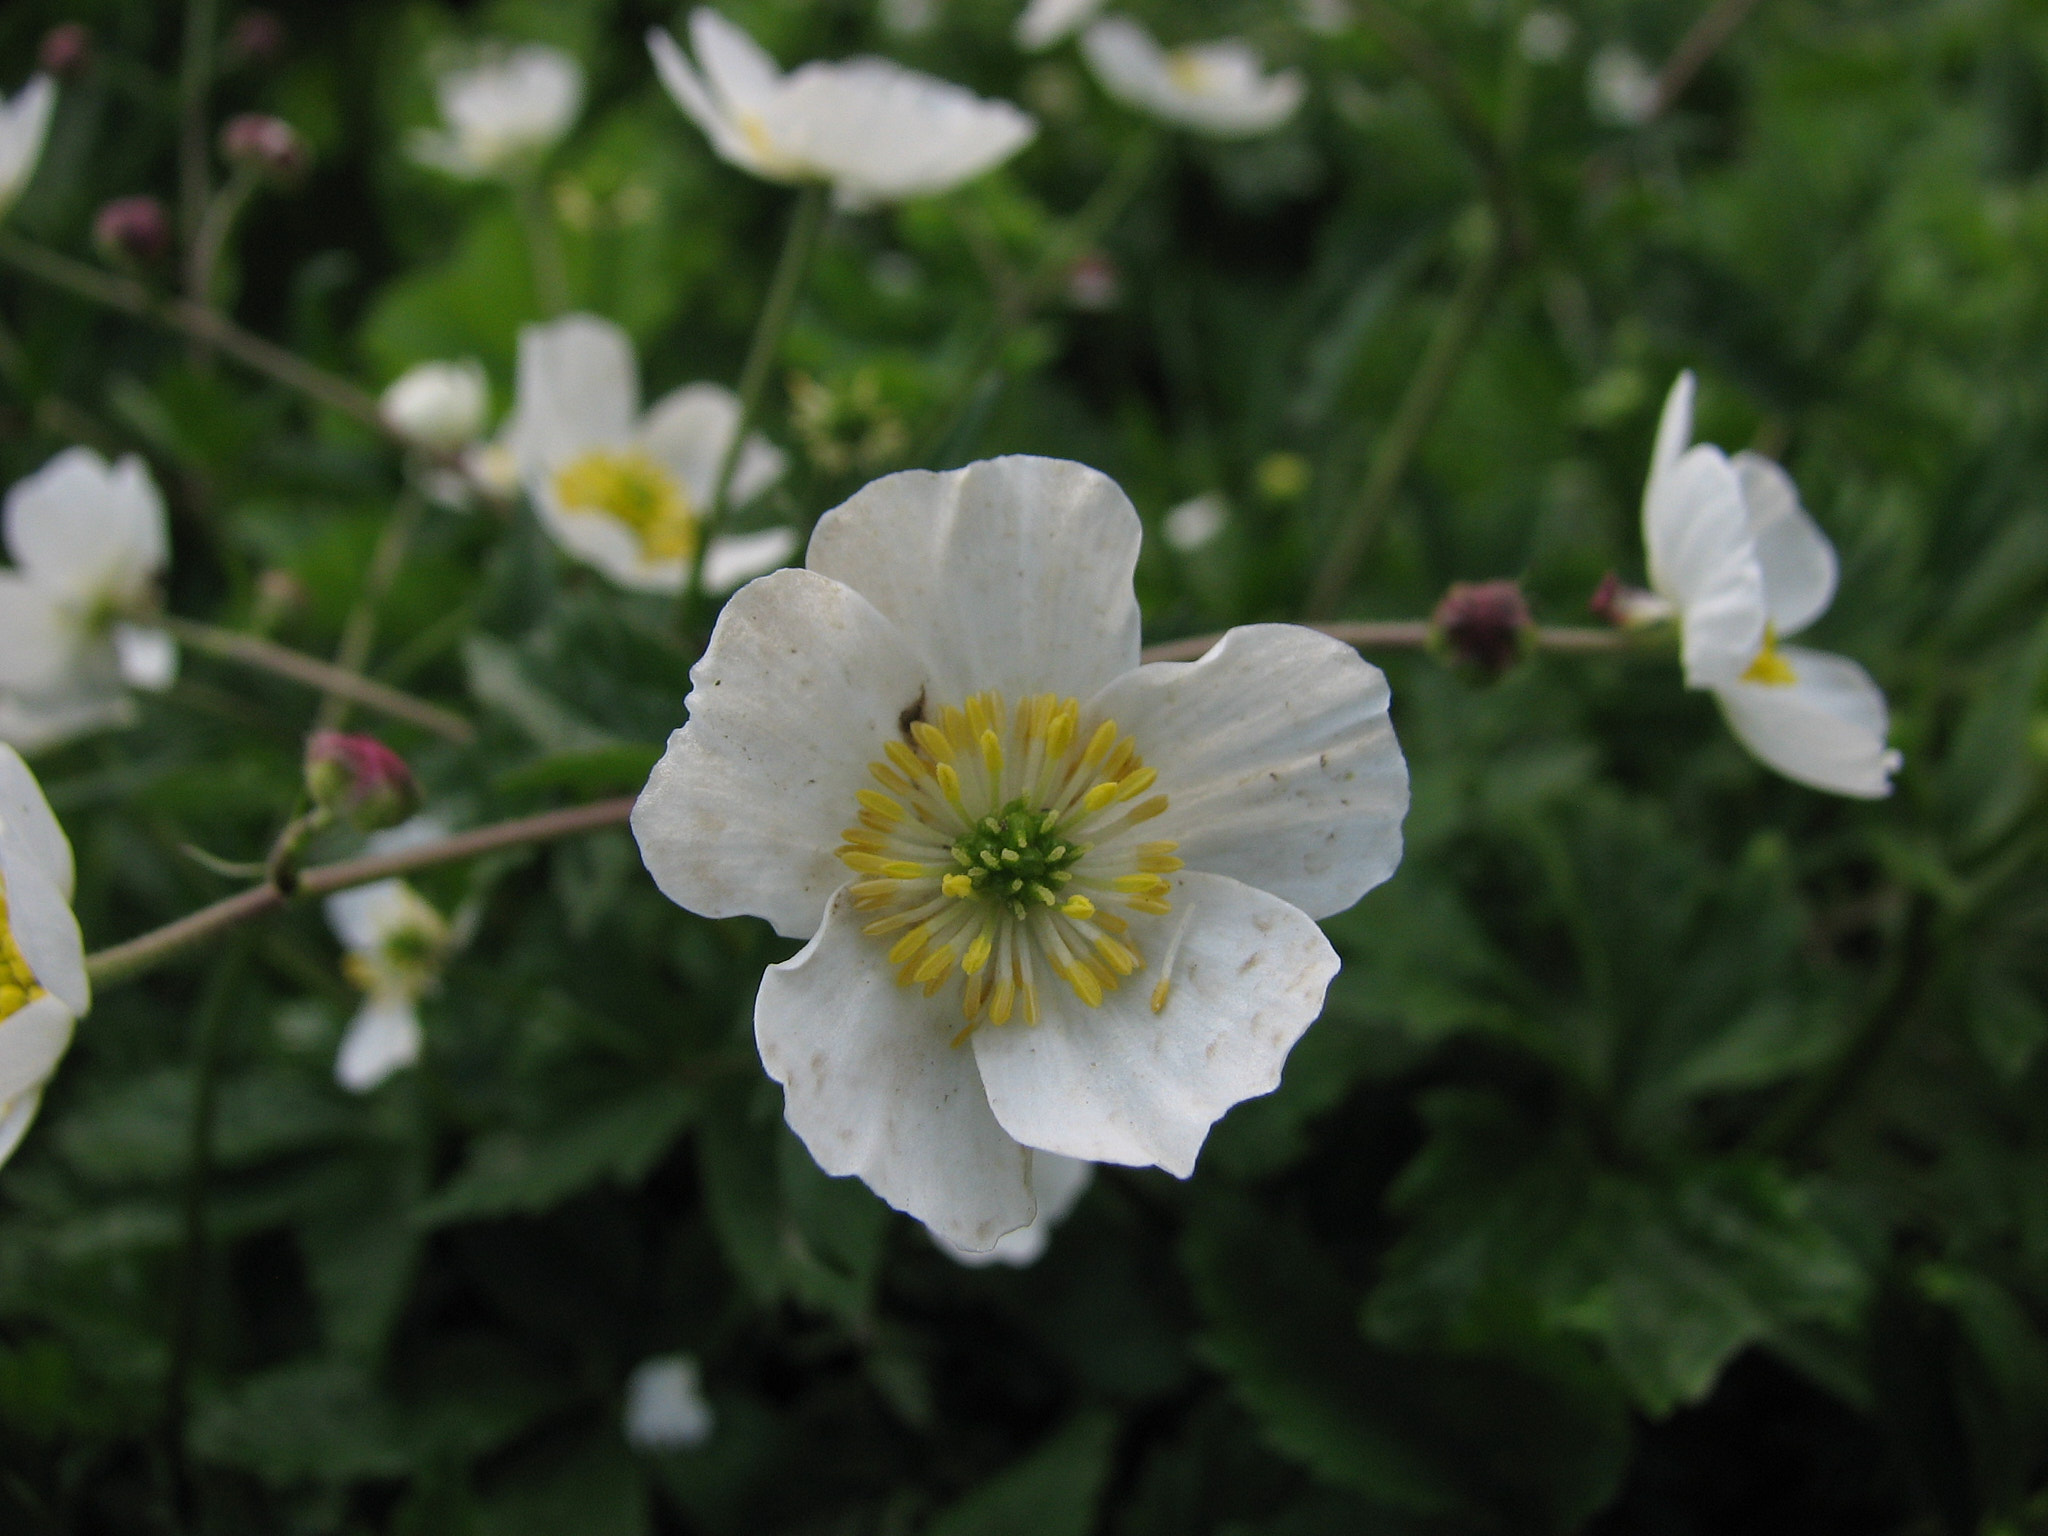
(502, 114)
(24, 124)
(1220, 89)
(1620, 87)
(437, 406)
(922, 754)
(43, 987)
(1545, 36)
(665, 1407)
(1046, 22)
(396, 945)
(626, 492)
(89, 542)
(877, 132)
(1057, 1184)
(910, 18)
(1196, 522)
(1742, 566)
(1325, 18)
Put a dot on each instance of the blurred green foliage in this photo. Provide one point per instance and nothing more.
(1673, 1154)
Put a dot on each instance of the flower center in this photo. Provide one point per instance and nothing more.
(407, 957)
(1190, 71)
(999, 843)
(1770, 667)
(17, 982)
(633, 489)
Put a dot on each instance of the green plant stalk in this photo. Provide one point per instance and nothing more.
(799, 247)
(543, 245)
(195, 86)
(1427, 390)
(359, 630)
(223, 210)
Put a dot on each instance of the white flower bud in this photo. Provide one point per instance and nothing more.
(437, 406)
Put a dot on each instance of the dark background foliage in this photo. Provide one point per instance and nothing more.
(1672, 1157)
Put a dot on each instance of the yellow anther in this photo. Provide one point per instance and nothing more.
(991, 753)
(1141, 885)
(910, 943)
(882, 890)
(949, 786)
(903, 869)
(1011, 856)
(1121, 760)
(1002, 1000)
(1059, 731)
(1098, 797)
(1155, 905)
(1086, 984)
(866, 863)
(931, 988)
(956, 728)
(882, 927)
(1159, 994)
(1099, 744)
(1109, 922)
(977, 715)
(863, 840)
(1104, 975)
(1160, 863)
(913, 766)
(1770, 667)
(936, 965)
(1146, 810)
(1119, 956)
(1137, 783)
(880, 804)
(634, 490)
(1161, 847)
(978, 952)
(932, 739)
(1030, 990)
(889, 778)
(1079, 908)
(959, 887)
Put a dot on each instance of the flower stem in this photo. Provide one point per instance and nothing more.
(359, 631)
(125, 961)
(211, 239)
(543, 246)
(195, 86)
(1411, 635)
(282, 661)
(806, 225)
(1425, 396)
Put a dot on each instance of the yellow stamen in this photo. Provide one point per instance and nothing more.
(1159, 994)
(936, 965)
(1770, 667)
(992, 754)
(632, 489)
(880, 804)
(1160, 863)
(1149, 904)
(1059, 732)
(1137, 783)
(910, 944)
(959, 887)
(1084, 982)
(1141, 885)
(1002, 1000)
(932, 739)
(1079, 908)
(1125, 755)
(949, 785)
(1120, 958)
(1030, 1002)
(1098, 744)
(889, 778)
(978, 952)
(913, 766)
(1098, 797)
(1146, 810)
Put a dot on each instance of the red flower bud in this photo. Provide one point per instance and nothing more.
(1484, 624)
(66, 50)
(360, 780)
(268, 144)
(132, 231)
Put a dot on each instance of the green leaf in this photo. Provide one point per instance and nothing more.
(316, 1421)
(588, 1485)
(1050, 1492)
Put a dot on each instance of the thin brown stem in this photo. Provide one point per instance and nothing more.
(123, 962)
(1699, 45)
(282, 661)
(1409, 635)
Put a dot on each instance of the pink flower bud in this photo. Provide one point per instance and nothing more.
(256, 37)
(268, 144)
(360, 780)
(1484, 624)
(66, 50)
(132, 231)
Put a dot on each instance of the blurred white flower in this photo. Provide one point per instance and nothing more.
(875, 131)
(502, 114)
(1325, 18)
(665, 1407)
(910, 18)
(89, 543)
(396, 944)
(1046, 22)
(1742, 565)
(1620, 87)
(921, 754)
(1196, 522)
(1057, 1184)
(437, 406)
(43, 986)
(1220, 89)
(625, 492)
(24, 124)
(1545, 36)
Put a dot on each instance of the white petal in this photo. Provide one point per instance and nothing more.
(1674, 433)
(665, 1407)
(365, 915)
(1122, 1084)
(1046, 22)
(688, 430)
(1219, 89)
(36, 722)
(39, 638)
(690, 92)
(32, 1041)
(1702, 558)
(1057, 1183)
(873, 1086)
(579, 388)
(148, 658)
(733, 560)
(1798, 562)
(1013, 574)
(800, 687)
(603, 542)
(739, 70)
(1826, 730)
(27, 821)
(24, 124)
(881, 133)
(40, 915)
(383, 1038)
(1278, 761)
(16, 1115)
(85, 528)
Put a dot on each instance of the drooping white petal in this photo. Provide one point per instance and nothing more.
(1122, 1084)
(36, 722)
(1012, 574)
(383, 1038)
(39, 635)
(741, 74)
(689, 429)
(801, 686)
(1220, 89)
(1278, 761)
(27, 821)
(87, 529)
(694, 95)
(1674, 432)
(24, 125)
(32, 1042)
(1798, 562)
(1057, 1183)
(1046, 22)
(39, 914)
(1703, 558)
(874, 1088)
(1825, 730)
(579, 388)
(147, 657)
(665, 1407)
(733, 560)
(16, 1115)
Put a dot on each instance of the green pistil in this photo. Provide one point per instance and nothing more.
(1016, 856)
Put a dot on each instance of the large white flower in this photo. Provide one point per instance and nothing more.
(626, 492)
(89, 543)
(503, 113)
(875, 131)
(1221, 89)
(1743, 566)
(43, 987)
(1057, 1185)
(24, 124)
(396, 945)
(1046, 22)
(1054, 900)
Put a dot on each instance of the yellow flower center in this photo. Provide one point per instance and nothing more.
(17, 982)
(1770, 667)
(407, 958)
(1188, 70)
(999, 843)
(631, 488)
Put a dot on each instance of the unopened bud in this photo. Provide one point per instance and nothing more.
(264, 143)
(437, 406)
(66, 50)
(256, 37)
(1484, 624)
(132, 231)
(359, 780)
